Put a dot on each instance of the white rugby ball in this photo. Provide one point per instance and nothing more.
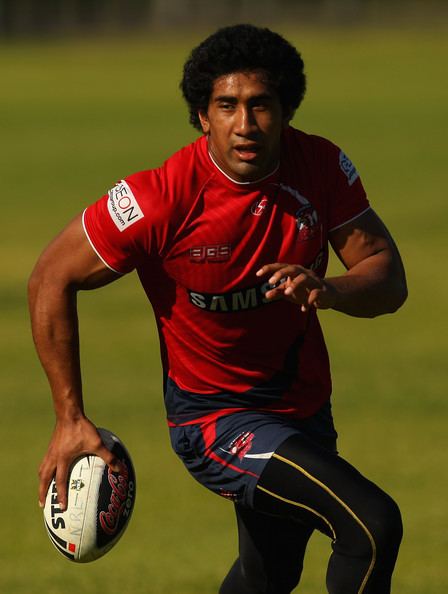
(99, 505)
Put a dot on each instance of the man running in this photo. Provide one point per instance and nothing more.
(230, 240)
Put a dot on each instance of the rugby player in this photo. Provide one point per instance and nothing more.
(230, 239)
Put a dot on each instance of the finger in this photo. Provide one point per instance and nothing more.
(305, 283)
(278, 272)
(323, 298)
(269, 268)
(61, 485)
(275, 293)
(297, 286)
(110, 459)
(45, 477)
(298, 290)
(283, 275)
(313, 297)
(289, 287)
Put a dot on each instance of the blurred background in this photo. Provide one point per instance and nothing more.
(89, 94)
(60, 17)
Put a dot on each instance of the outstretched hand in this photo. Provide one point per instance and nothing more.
(299, 285)
(70, 440)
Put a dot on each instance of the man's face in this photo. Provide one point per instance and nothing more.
(244, 122)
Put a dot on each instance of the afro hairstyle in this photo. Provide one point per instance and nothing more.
(243, 48)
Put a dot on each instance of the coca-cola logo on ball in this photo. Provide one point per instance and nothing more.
(120, 503)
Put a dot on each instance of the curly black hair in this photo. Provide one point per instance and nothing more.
(243, 48)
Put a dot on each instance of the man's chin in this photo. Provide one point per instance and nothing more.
(248, 171)
(244, 170)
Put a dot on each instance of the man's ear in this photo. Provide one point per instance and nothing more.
(205, 124)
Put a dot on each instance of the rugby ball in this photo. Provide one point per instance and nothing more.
(99, 505)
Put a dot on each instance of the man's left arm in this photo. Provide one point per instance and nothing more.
(374, 283)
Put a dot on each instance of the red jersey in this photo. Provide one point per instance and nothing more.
(197, 238)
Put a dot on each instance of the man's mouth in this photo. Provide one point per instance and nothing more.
(247, 151)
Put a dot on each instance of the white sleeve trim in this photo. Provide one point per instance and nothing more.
(94, 248)
(350, 220)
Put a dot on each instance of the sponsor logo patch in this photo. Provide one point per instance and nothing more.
(233, 301)
(210, 253)
(348, 168)
(120, 502)
(123, 206)
(259, 207)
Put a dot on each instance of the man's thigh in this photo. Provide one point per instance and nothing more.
(229, 453)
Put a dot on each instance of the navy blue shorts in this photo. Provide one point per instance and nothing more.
(228, 454)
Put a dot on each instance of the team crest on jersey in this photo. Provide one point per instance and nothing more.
(306, 220)
(123, 207)
(348, 168)
(241, 445)
(306, 217)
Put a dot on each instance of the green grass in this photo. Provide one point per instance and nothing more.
(77, 116)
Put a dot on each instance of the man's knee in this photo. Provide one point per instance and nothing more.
(382, 527)
(386, 526)
(374, 530)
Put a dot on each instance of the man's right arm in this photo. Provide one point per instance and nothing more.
(66, 266)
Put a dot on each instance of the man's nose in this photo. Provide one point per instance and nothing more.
(245, 122)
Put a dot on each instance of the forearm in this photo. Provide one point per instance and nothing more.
(66, 266)
(55, 331)
(373, 287)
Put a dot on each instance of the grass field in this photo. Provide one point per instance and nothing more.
(75, 117)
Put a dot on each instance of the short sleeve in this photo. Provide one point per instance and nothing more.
(118, 228)
(346, 195)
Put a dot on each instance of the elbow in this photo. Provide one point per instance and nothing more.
(34, 283)
(392, 298)
(44, 282)
(36, 291)
(37, 279)
(398, 296)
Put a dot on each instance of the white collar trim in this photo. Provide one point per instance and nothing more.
(255, 181)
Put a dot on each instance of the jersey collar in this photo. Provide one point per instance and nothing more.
(243, 185)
